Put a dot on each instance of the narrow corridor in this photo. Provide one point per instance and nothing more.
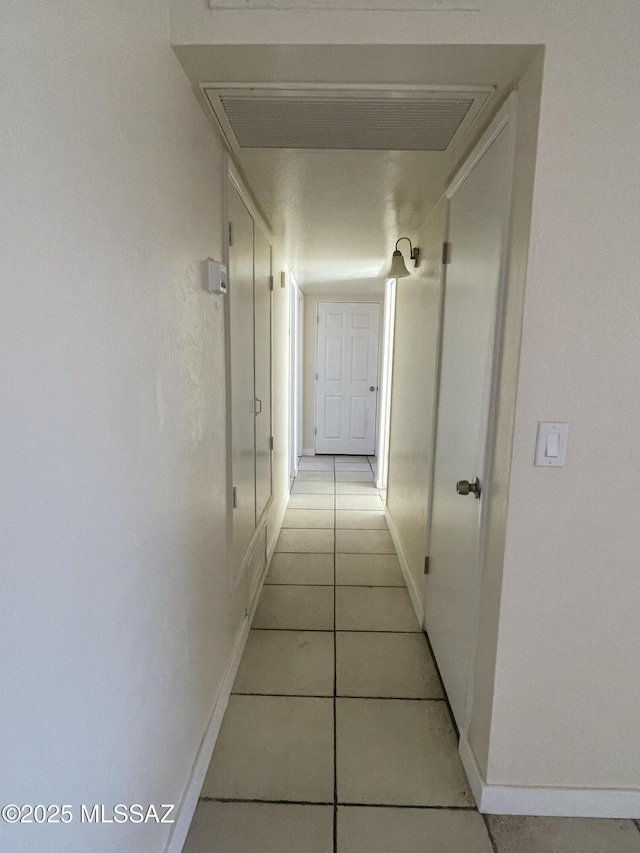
(337, 736)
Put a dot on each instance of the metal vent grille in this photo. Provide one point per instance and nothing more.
(369, 123)
(393, 120)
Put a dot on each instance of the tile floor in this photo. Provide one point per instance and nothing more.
(337, 736)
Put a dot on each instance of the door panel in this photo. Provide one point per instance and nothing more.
(263, 370)
(347, 365)
(242, 376)
(477, 227)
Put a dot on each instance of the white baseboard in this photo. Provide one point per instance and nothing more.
(472, 769)
(548, 802)
(277, 525)
(414, 593)
(191, 795)
(309, 452)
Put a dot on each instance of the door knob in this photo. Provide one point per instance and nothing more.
(372, 388)
(464, 487)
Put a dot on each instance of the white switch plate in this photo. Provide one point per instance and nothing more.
(551, 444)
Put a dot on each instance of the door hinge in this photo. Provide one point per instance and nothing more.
(283, 279)
(271, 442)
(426, 565)
(271, 283)
(315, 432)
(316, 377)
(318, 319)
(446, 253)
(234, 498)
(231, 233)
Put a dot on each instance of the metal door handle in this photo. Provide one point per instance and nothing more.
(372, 387)
(258, 403)
(464, 487)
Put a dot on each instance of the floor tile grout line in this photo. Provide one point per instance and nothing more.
(329, 509)
(335, 529)
(350, 585)
(343, 696)
(407, 806)
(339, 804)
(342, 630)
(334, 552)
(335, 662)
(343, 586)
(270, 802)
(492, 841)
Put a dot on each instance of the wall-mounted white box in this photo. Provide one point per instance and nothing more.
(217, 276)
(551, 444)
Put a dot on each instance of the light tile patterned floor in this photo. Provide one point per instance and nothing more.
(337, 738)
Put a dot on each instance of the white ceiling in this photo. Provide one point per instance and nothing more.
(336, 215)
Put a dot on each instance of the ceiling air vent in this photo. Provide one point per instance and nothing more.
(395, 119)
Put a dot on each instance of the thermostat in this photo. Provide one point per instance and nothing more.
(217, 277)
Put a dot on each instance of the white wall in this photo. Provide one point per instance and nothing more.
(117, 621)
(418, 300)
(566, 696)
(281, 391)
(373, 292)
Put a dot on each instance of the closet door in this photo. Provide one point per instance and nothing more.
(262, 347)
(241, 253)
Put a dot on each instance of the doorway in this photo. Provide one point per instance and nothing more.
(347, 377)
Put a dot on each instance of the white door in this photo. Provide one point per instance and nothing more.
(347, 377)
(242, 377)
(477, 232)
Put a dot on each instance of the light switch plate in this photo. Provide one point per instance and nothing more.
(551, 444)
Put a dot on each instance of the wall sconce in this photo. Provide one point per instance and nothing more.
(398, 266)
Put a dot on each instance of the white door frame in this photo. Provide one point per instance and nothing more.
(505, 117)
(296, 315)
(386, 377)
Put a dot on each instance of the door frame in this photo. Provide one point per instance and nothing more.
(267, 236)
(378, 366)
(505, 118)
(386, 382)
(296, 332)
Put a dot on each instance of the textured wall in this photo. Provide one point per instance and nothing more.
(117, 620)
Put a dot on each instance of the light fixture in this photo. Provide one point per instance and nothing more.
(398, 266)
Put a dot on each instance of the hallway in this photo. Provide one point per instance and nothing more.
(337, 702)
(337, 736)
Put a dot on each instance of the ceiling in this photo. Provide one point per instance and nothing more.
(336, 214)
